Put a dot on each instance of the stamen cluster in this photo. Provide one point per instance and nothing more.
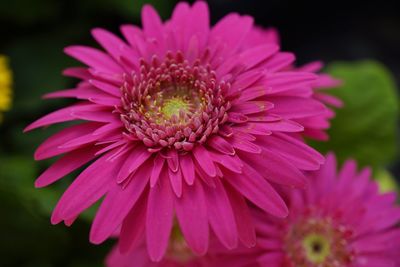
(318, 243)
(173, 103)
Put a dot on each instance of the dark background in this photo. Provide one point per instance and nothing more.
(33, 34)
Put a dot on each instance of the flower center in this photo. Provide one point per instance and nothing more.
(317, 247)
(318, 243)
(173, 103)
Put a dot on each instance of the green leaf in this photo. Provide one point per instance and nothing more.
(365, 128)
(386, 181)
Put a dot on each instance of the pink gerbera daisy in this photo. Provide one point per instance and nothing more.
(340, 220)
(180, 120)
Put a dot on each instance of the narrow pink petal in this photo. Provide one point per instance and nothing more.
(111, 43)
(251, 107)
(87, 188)
(106, 87)
(278, 170)
(130, 32)
(245, 145)
(205, 161)
(301, 156)
(94, 58)
(51, 146)
(232, 163)
(296, 107)
(135, 159)
(65, 165)
(176, 181)
(117, 203)
(77, 72)
(253, 56)
(187, 167)
(244, 220)
(280, 126)
(100, 115)
(221, 216)
(191, 211)
(279, 61)
(159, 218)
(256, 189)
(133, 226)
(173, 160)
(201, 25)
(284, 81)
(220, 144)
(233, 30)
(61, 115)
(158, 164)
(152, 24)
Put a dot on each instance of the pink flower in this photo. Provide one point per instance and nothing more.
(181, 120)
(340, 220)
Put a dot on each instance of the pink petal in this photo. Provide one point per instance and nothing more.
(159, 218)
(278, 170)
(233, 30)
(87, 188)
(244, 220)
(220, 144)
(94, 58)
(232, 163)
(133, 226)
(111, 43)
(61, 115)
(51, 146)
(205, 161)
(221, 216)
(258, 54)
(137, 156)
(191, 212)
(296, 107)
(245, 145)
(106, 87)
(256, 189)
(158, 164)
(65, 165)
(187, 168)
(116, 205)
(176, 181)
(151, 21)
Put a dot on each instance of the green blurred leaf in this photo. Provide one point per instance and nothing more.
(365, 128)
(386, 181)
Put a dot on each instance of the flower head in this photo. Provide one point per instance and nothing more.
(5, 85)
(340, 220)
(181, 120)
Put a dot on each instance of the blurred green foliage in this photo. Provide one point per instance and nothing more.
(366, 127)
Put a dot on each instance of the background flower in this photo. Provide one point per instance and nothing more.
(341, 219)
(5, 85)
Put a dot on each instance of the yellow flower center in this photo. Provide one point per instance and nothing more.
(5, 84)
(318, 243)
(317, 247)
(175, 106)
